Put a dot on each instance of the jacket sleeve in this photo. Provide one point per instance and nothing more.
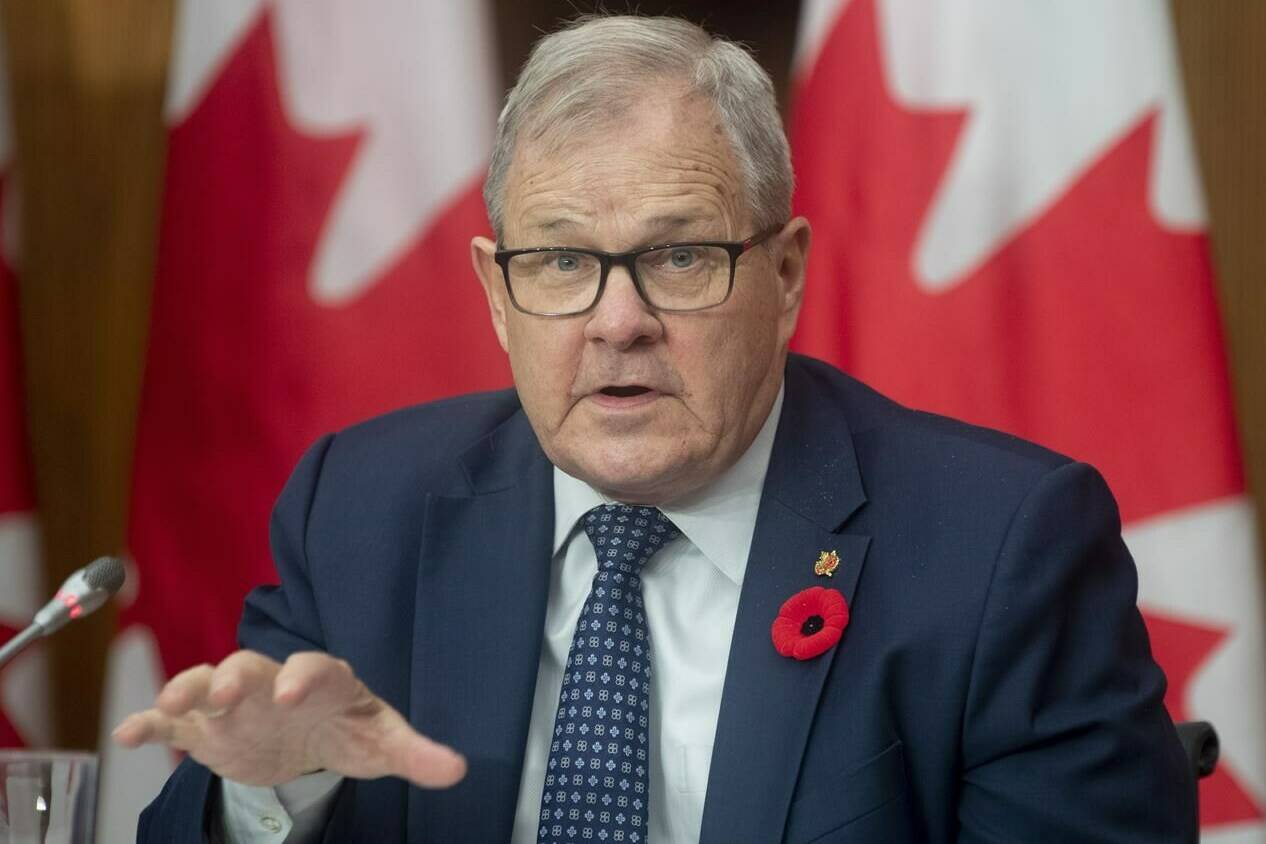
(277, 621)
(1065, 735)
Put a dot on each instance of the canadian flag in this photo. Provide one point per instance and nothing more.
(24, 717)
(323, 178)
(1010, 229)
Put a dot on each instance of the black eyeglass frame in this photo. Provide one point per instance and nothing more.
(607, 260)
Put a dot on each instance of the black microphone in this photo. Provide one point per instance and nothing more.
(84, 591)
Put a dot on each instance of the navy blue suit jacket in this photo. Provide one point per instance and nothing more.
(994, 684)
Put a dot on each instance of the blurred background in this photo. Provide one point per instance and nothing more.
(229, 227)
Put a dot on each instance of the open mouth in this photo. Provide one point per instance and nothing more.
(625, 392)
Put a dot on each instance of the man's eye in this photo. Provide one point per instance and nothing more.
(566, 263)
(682, 258)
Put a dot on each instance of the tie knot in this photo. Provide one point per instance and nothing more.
(624, 537)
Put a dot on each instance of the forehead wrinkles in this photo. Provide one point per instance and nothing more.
(655, 157)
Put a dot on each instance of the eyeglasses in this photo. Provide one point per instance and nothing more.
(557, 281)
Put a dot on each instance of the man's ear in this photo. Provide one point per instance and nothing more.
(792, 256)
(486, 267)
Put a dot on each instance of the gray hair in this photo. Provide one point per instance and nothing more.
(599, 65)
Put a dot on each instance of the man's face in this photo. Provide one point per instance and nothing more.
(645, 406)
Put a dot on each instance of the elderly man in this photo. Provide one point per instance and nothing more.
(677, 585)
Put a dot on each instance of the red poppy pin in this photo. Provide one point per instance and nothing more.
(810, 622)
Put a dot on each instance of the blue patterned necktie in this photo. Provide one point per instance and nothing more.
(599, 759)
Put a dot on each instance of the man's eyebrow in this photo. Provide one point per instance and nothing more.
(673, 220)
(549, 231)
(661, 228)
(666, 227)
(553, 224)
(669, 222)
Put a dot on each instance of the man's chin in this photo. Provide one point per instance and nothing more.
(633, 478)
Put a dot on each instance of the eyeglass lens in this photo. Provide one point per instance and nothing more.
(685, 277)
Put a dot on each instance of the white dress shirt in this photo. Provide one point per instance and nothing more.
(691, 593)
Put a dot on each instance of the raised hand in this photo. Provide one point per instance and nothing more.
(256, 721)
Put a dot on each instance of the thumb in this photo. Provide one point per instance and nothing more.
(424, 762)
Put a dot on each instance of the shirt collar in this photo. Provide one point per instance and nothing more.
(719, 519)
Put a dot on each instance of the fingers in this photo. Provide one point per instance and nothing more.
(182, 732)
(320, 680)
(233, 715)
(156, 727)
(422, 761)
(211, 691)
(218, 689)
(183, 693)
(186, 690)
(143, 728)
(306, 672)
(240, 675)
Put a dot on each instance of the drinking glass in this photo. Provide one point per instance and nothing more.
(47, 797)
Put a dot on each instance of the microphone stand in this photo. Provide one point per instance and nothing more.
(18, 643)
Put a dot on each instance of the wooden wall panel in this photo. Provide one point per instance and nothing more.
(1223, 50)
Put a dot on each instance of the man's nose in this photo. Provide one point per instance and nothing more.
(621, 317)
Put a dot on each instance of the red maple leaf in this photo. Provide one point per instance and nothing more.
(1186, 645)
(1093, 330)
(245, 370)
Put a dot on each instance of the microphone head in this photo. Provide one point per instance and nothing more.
(105, 573)
(83, 592)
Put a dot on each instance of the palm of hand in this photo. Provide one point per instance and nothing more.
(255, 721)
(262, 741)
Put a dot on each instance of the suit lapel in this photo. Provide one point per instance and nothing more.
(483, 584)
(812, 487)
